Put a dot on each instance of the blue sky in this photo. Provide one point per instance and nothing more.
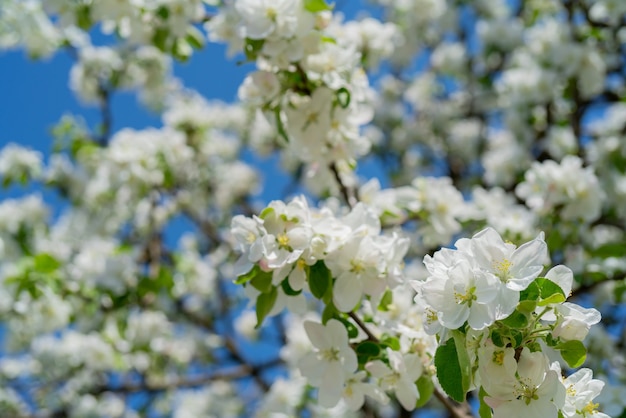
(34, 95)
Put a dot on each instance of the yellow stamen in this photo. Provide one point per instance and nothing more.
(591, 408)
(283, 239)
(498, 357)
(502, 269)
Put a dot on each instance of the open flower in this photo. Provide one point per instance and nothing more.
(331, 360)
(532, 389)
(399, 376)
(581, 389)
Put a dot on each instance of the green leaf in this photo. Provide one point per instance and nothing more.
(266, 212)
(532, 292)
(366, 351)
(252, 48)
(385, 301)
(262, 281)
(343, 97)
(515, 320)
(329, 312)
(160, 37)
(496, 337)
(426, 388)
(246, 277)
(320, 279)
(527, 306)
(165, 279)
(484, 410)
(288, 289)
(611, 249)
(163, 12)
(464, 361)
(551, 341)
(551, 300)
(516, 337)
(194, 37)
(45, 263)
(353, 331)
(279, 125)
(548, 288)
(573, 352)
(264, 304)
(449, 370)
(619, 290)
(554, 240)
(391, 342)
(181, 50)
(315, 6)
(83, 17)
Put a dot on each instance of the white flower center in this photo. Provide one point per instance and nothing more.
(330, 354)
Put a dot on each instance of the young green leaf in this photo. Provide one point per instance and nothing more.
(532, 292)
(426, 388)
(262, 281)
(329, 312)
(548, 288)
(516, 320)
(385, 301)
(573, 352)
(391, 342)
(246, 277)
(320, 279)
(483, 410)
(343, 97)
(264, 304)
(288, 289)
(366, 351)
(449, 370)
(464, 361)
(45, 263)
(315, 6)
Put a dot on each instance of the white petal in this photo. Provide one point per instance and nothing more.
(318, 335)
(347, 292)
(331, 388)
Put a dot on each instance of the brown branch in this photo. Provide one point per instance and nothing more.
(364, 327)
(237, 372)
(229, 344)
(349, 195)
(456, 410)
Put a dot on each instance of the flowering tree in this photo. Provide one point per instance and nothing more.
(459, 280)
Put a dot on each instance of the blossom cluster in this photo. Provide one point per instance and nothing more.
(309, 81)
(488, 295)
(298, 246)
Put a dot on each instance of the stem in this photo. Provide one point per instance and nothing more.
(456, 410)
(364, 327)
(107, 118)
(348, 194)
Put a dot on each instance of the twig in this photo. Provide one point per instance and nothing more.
(107, 118)
(348, 195)
(364, 327)
(457, 410)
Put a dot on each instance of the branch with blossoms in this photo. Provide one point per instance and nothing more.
(492, 312)
(364, 297)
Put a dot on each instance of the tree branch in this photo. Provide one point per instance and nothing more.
(349, 195)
